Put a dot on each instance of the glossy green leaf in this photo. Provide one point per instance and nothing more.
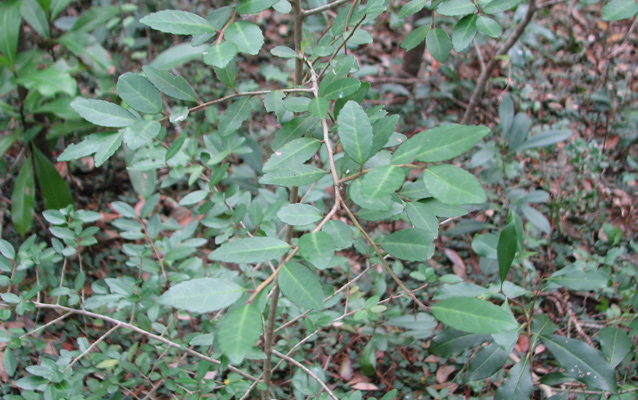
(103, 113)
(57, 6)
(250, 250)
(340, 88)
(582, 362)
(422, 217)
(619, 9)
(10, 21)
(415, 37)
(238, 332)
(169, 84)
(439, 45)
(497, 6)
(439, 144)
(178, 22)
(473, 315)
(408, 244)
(141, 133)
(453, 185)
(23, 198)
(456, 8)
(220, 54)
(234, 116)
(518, 383)
(247, 37)
(254, 6)
(464, 33)
(381, 181)
(546, 138)
(35, 16)
(486, 362)
(488, 26)
(576, 278)
(293, 175)
(299, 214)
(301, 286)
(506, 250)
(319, 107)
(317, 248)
(355, 132)
(139, 93)
(202, 295)
(108, 147)
(615, 344)
(451, 341)
(55, 192)
(294, 152)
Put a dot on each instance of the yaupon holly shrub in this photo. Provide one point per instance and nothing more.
(284, 221)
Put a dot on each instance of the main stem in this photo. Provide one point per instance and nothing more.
(294, 192)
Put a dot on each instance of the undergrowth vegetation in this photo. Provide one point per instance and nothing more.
(255, 199)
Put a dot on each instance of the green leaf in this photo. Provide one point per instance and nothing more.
(296, 103)
(355, 132)
(7, 250)
(35, 16)
(506, 250)
(412, 7)
(519, 130)
(340, 88)
(415, 37)
(250, 250)
(169, 84)
(381, 181)
(506, 114)
(9, 362)
(518, 383)
(473, 315)
(497, 6)
(294, 152)
(10, 21)
(108, 147)
(451, 341)
(439, 144)
(619, 9)
(582, 362)
(228, 75)
(177, 55)
(455, 8)
(615, 344)
(7, 141)
(238, 332)
(254, 6)
(301, 286)
(422, 217)
(293, 175)
(88, 146)
(488, 26)
(220, 54)
(141, 133)
(464, 33)
(408, 244)
(234, 116)
(202, 295)
(139, 93)
(103, 113)
(57, 6)
(23, 198)
(95, 17)
(283, 51)
(340, 233)
(486, 362)
(546, 138)
(299, 214)
(439, 45)
(55, 192)
(247, 37)
(317, 248)
(319, 107)
(50, 81)
(453, 185)
(575, 277)
(178, 22)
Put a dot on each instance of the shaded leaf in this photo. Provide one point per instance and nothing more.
(422, 217)
(220, 54)
(10, 21)
(497, 6)
(455, 8)
(23, 198)
(299, 214)
(546, 138)
(340, 88)
(488, 26)
(415, 37)
(141, 133)
(439, 45)
(293, 175)
(178, 22)
(234, 116)
(139, 93)
(301, 286)
(55, 192)
(576, 278)
(355, 132)
(453, 185)
(35, 16)
(619, 9)
(464, 33)
(615, 344)
(103, 113)
(202, 295)
(247, 37)
(382, 181)
(250, 250)
(486, 362)
(294, 152)
(238, 332)
(317, 248)
(169, 84)
(408, 244)
(518, 383)
(451, 341)
(506, 250)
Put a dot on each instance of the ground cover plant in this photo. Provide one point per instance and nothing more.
(259, 199)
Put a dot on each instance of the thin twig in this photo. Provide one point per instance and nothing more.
(306, 370)
(323, 8)
(91, 347)
(58, 319)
